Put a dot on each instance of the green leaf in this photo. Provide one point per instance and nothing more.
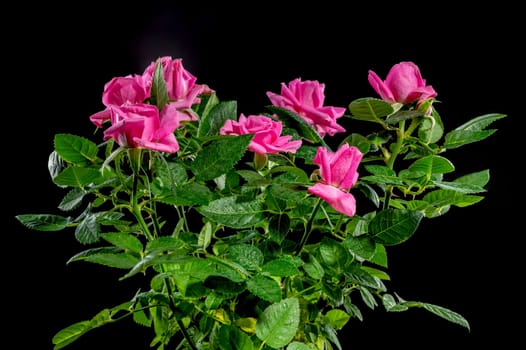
(265, 288)
(220, 156)
(213, 300)
(432, 165)
(75, 149)
(353, 309)
(457, 138)
(442, 198)
(155, 258)
(380, 170)
(120, 260)
(189, 194)
(210, 123)
(164, 244)
(231, 338)
(331, 335)
(333, 253)
(248, 256)
(280, 267)
(72, 199)
(208, 101)
(278, 323)
(479, 178)
(376, 273)
(289, 194)
(471, 131)
(169, 173)
(87, 231)
(77, 177)
(337, 318)
(290, 175)
(112, 218)
(370, 109)
(432, 128)
(369, 192)
(394, 226)
(306, 152)
(253, 178)
(124, 241)
(295, 121)
(355, 273)
(447, 314)
(332, 291)
(380, 256)
(363, 246)
(55, 164)
(232, 212)
(44, 222)
(205, 236)
(295, 345)
(382, 179)
(391, 304)
(401, 115)
(368, 298)
(480, 122)
(198, 269)
(183, 281)
(92, 251)
(459, 187)
(227, 183)
(69, 334)
(278, 226)
(230, 269)
(313, 268)
(159, 93)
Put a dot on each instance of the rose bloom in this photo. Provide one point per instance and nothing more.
(338, 172)
(120, 91)
(306, 98)
(139, 126)
(182, 89)
(267, 134)
(403, 84)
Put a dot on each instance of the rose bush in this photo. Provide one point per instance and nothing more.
(257, 231)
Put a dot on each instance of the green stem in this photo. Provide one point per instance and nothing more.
(136, 209)
(308, 227)
(395, 151)
(135, 159)
(397, 146)
(182, 327)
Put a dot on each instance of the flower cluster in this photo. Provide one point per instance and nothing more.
(138, 118)
(256, 231)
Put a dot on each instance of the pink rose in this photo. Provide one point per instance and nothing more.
(181, 85)
(183, 92)
(404, 84)
(306, 98)
(124, 90)
(139, 126)
(338, 172)
(267, 134)
(120, 91)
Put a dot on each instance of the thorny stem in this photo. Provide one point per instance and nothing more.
(135, 158)
(308, 227)
(395, 151)
(179, 322)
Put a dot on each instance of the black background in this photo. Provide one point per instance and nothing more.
(58, 58)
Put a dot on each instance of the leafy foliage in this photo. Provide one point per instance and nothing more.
(238, 254)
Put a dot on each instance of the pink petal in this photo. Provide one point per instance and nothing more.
(342, 202)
